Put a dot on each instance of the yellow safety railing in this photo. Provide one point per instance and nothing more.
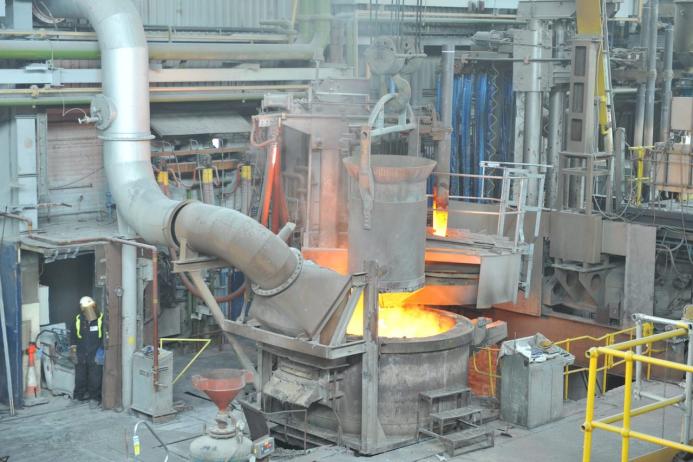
(491, 373)
(608, 363)
(568, 343)
(640, 177)
(206, 342)
(622, 351)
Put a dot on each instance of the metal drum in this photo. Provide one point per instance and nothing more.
(396, 238)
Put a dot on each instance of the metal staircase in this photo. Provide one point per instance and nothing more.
(447, 415)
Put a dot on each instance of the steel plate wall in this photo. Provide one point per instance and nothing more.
(212, 13)
(75, 171)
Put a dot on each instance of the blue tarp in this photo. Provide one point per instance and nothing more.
(12, 301)
(471, 123)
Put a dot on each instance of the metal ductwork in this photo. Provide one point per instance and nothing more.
(122, 116)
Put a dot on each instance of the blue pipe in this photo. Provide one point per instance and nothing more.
(465, 141)
(481, 126)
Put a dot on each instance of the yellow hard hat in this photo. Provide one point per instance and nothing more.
(87, 302)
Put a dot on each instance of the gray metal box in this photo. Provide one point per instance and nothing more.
(532, 392)
(63, 382)
(144, 398)
(682, 113)
(576, 237)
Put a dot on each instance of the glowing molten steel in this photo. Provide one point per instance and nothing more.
(395, 320)
(440, 221)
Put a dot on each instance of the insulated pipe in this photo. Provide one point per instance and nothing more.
(638, 129)
(648, 131)
(243, 243)
(67, 49)
(665, 120)
(171, 95)
(445, 145)
(555, 143)
(556, 121)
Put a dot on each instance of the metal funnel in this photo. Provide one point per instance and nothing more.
(222, 385)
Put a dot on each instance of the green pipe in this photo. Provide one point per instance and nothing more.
(315, 22)
(67, 49)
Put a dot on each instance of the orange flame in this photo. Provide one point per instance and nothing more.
(397, 320)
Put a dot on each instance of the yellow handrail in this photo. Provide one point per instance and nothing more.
(206, 342)
(616, 350)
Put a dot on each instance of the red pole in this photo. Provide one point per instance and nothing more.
(272, 153)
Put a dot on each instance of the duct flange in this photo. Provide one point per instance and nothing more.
(282, 287)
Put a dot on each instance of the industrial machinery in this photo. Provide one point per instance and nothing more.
(226, 440)
(360, 212)
(371, 347)
(153, 398)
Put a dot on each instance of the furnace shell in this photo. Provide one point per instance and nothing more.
(331, 391)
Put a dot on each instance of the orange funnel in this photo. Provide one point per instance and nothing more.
(222, 385)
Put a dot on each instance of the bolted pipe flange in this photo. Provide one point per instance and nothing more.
(286, 284)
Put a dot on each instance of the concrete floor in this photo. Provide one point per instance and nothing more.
(63, 430)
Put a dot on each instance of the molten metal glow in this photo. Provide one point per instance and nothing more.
(440, 221)
(395, 320)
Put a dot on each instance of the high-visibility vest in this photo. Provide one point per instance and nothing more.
(78, 325)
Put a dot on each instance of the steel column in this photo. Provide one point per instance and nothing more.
(665, 119)
(638, 129)
(648, 131)
(556, 111)
(129, 314)
(369, 385)
(619, 163)
(533, 112)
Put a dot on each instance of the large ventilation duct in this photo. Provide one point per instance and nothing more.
(122, 116)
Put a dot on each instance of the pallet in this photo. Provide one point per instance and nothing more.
(159, 419)
(468, 440)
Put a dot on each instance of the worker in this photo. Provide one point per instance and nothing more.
(88, 349)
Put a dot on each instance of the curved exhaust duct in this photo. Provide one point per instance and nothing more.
(122, 116)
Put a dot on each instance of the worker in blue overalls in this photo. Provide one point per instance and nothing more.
(88, 341)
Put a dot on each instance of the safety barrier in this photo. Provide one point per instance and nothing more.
(206, 342)
(635, 359)
(568, 344)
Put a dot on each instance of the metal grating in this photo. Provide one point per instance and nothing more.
(196, 123)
